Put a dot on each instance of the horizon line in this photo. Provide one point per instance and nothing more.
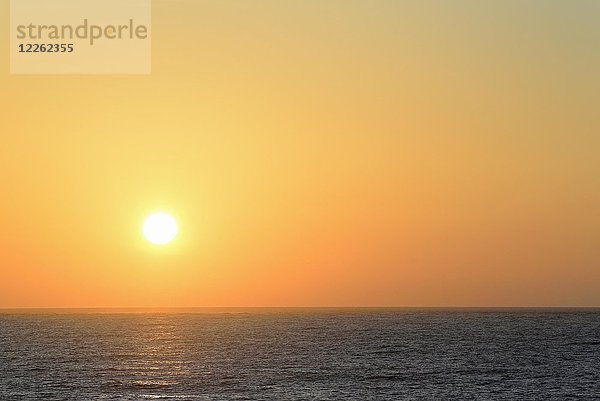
(192, 309)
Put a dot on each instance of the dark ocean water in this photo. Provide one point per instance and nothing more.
(302, 355)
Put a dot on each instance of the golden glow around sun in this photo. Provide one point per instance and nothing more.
(160, 228)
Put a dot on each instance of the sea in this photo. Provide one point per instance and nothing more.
(300, 354)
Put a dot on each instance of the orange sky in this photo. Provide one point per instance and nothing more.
(338, 153)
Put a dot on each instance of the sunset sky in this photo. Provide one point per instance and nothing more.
(314, 153)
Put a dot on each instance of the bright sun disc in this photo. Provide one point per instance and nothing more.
(160, 228)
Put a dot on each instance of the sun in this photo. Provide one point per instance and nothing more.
(160, 228)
